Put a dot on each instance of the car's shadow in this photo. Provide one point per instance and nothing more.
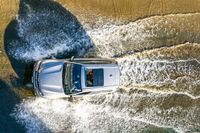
(8, 101)
(43, 29)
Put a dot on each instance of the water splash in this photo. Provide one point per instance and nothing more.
(180, 76)
(132, 111)
(176, 111)
(128, 111)
(44, 31)
(175, 70)
(61, 115)
(115, 39)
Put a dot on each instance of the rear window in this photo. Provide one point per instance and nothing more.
(94, 77)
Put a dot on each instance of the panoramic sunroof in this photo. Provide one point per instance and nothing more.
(94, 77)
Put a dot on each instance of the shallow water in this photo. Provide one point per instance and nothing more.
(40, 32)
(128, 111)
(158, 58)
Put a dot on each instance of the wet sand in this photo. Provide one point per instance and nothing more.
(158, 37)
(129, 9)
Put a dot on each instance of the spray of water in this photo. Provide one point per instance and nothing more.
(142, 44)
(61, 115)
(179, 76)
(128, 111)
(45, 30)
(115, 39)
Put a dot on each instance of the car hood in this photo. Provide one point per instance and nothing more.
(50, 78)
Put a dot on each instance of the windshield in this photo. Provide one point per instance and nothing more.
(67, 78)
(72, 78)
(76, 78)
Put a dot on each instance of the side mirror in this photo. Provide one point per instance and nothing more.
(72, 58)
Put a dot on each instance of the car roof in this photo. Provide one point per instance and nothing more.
(92, 61)
(84, 61)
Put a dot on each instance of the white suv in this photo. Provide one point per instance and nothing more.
(61, 78)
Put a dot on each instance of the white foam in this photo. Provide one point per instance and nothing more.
(113, 39)
(41, 115)
(134, 112)
(180, 75)
(37, 40)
